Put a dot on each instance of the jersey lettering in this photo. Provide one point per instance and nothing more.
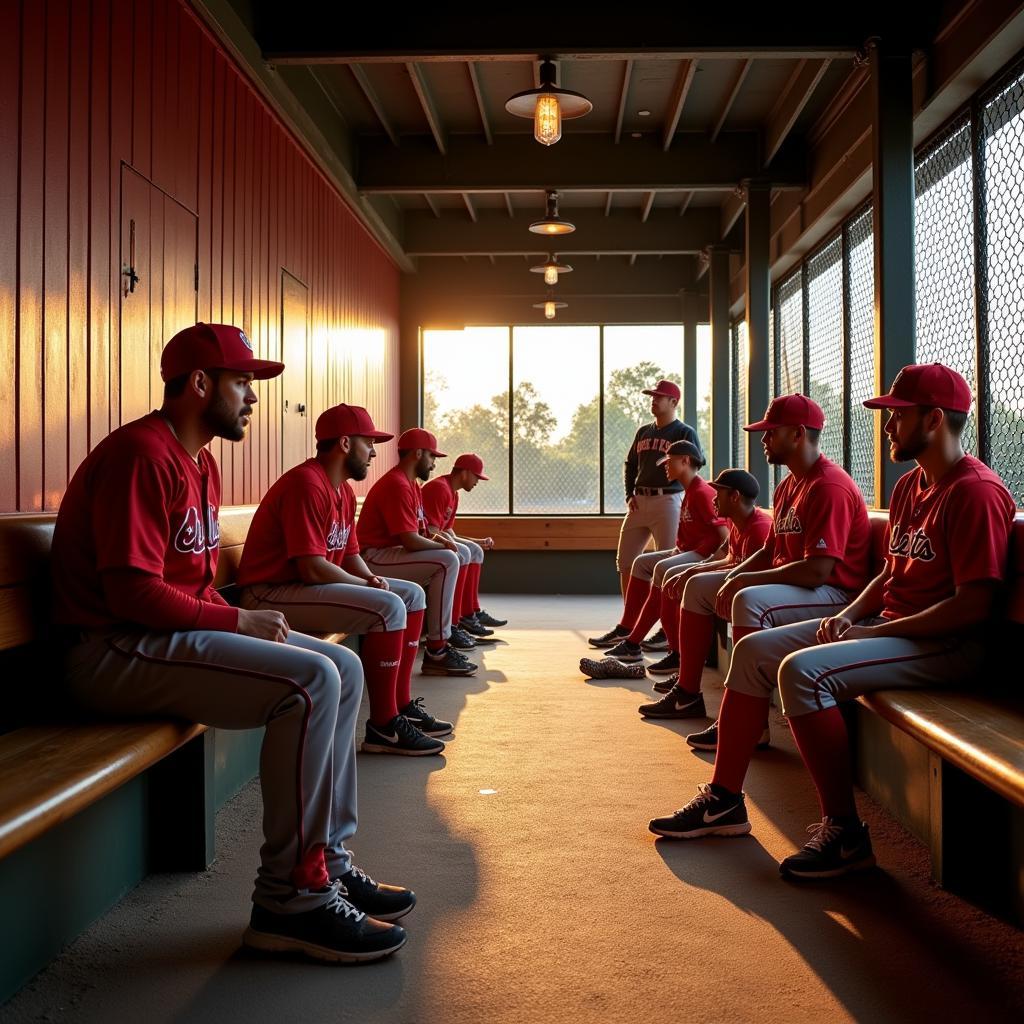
(789, 523)
(912, 544)
(195, 537)
(337, 536)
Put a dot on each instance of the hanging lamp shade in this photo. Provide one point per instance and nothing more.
(552, 224)
(548, 105)
(550, 306)
(551, 269)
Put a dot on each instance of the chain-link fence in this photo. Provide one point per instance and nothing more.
(944, 257)
(860, 318)
(741, 374)
(791, 334)
(825, 343)
(1002, 156)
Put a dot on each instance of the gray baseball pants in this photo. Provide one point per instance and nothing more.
(436, 571)
(657, 516)
(656, 566)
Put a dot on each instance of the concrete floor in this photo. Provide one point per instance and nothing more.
(547, 899)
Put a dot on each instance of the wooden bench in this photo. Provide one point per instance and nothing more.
(537, 533)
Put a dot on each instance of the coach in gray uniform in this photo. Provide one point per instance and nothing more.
(652, 504)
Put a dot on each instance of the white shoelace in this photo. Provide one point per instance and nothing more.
(823, 832)
(340, 905)
(705, 795)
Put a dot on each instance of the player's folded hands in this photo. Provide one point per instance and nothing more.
(833, 629)
(264, 625)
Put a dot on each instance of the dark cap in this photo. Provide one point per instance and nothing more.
(348, 421)
(213, 347)
(737, 480)
(677, 449)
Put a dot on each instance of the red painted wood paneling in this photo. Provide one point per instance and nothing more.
(117, 109)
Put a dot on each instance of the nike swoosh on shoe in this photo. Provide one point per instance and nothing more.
(709, 818)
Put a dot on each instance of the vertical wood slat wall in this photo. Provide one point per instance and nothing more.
(89, 85)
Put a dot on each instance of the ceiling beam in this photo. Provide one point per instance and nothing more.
(469, 207)
(474, 79)
(509, 206)
(648, 204)
(732, 209)
(608, 204)
(685, 204)
(419, 83)
(623, 94)
(681, 89)
(799, 89)
(632, 259)
(734, 91)
(433, 206)
(582, 161)
(620, 233)
(371, 97)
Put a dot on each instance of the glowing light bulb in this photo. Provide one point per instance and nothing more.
(547, 119)
(549, 310)
(551, 275)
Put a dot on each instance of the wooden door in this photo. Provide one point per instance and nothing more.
(296, 431)
(158, 287)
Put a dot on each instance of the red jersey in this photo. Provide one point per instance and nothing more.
(440, 502)
(393, 505)
(139, 501)
(822, 514)
(743, 543)
(303, 514)
(698, 524)
(956, 531)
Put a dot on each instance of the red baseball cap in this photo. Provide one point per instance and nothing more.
(213, 347)
(348, 421)
(665, 388)
(417, 437)
(790, 411)
(930, 384)
(473, 463)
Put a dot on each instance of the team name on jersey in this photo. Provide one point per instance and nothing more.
(194, 536)
(337, 536)
(789, 523)
(656, 444)
(421, 519)
(912, 544)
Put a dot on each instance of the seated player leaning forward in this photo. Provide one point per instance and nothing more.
(301, 558)
(921, 622)
(393, 535)
(440, 505)
(700, 535)
(736, 491)
(816, 557)
(135, 551)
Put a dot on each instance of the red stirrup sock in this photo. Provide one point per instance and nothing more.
(739, 632)
(381, 655)
(824, 745)
(460, 589)
(670, 608)
(636, 595)
(648, 616)
(410, 645)
(694, 641)
(740, 724)
(471, 603)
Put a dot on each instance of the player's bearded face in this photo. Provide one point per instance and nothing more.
(425, 466)
(357, 462)
(776, 450)
(230, 407)
(908, 437)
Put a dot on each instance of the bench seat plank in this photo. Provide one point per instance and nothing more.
(52, 772)
(980, 734)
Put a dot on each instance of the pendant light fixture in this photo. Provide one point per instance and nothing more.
(548, 106)
(552, 224)
(551, 270)
(550, 306)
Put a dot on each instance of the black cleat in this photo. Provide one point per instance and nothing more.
(834, 849)
(446, 662)
(658, 642)
(625, 652)
(707, 814)
(676, 704)
(708, 739)
(609, 639)
(488, 620)
(399, 736)
(461, 640)
(665, 685)
(670, 663)
(383, 902)
(424, 720)
(474, 629)
(337, 932)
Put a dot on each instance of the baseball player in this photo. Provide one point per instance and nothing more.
(301, 558)
(816, 556)
(652, 503)
(920, 622)
(736, 492)
(392, 532)
(701, 534)
(440, 505)
(134, 556)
